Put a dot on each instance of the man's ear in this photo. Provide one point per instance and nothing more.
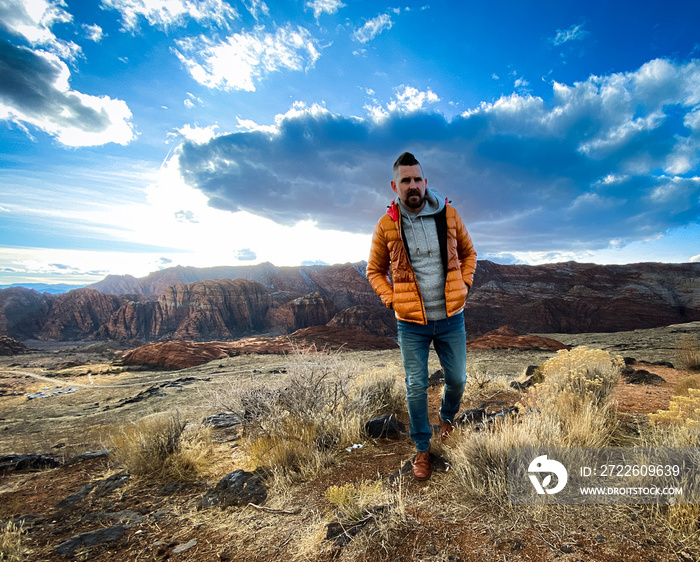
(393, 186)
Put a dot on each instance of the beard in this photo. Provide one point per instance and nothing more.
(414, 199)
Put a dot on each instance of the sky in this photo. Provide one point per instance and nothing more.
(137, 135)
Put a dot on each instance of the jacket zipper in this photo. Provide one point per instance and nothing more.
(415, 279)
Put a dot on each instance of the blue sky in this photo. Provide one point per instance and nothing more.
(142, 134)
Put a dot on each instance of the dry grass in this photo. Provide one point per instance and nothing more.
(571, 408)
(688, 352)
(11, 547)
(297, 427)
(687, 383)
(161, 447)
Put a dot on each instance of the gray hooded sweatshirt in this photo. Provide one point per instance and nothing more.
(424, 250)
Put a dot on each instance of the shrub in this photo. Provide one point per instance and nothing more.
(686, 384)
(353, 499)
(11, 549)
(688, 352)
(682, 410)
(571, 408)
(381, 391)
(583, 372)
(320, 408)
(161, 447)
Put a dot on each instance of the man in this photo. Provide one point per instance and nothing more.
(425, 246)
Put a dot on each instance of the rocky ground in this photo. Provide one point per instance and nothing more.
(88, 508)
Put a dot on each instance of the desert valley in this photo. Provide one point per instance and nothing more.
(225, 414)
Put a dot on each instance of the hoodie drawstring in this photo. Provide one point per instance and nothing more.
(425, 235)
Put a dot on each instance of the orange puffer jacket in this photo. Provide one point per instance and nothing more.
(388, 252)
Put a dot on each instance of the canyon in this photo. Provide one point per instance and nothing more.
(229, 303)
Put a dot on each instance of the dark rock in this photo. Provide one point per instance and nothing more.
(222, 419)
(482, 419)
(104, 487)
(663, 364)
(10, 346)
(9, 463)
(91, 538)
(87, 456)
(75, 498)
(470, 416)
(386, 426)
(644, 377)
(341, 533)
(235, 489)
(437, 378)
(527, 383)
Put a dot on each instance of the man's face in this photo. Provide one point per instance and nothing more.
(409, 184)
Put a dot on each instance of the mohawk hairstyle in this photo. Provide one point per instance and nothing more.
(406, 159)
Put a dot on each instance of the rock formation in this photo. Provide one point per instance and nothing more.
(374, 319)
(507, 338)
(78, 314)
(10, 346)
(184, 354)
(311, 310)
(574, 297)
(22, 312)
(565, 298)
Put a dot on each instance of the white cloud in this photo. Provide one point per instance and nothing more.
(573, 33)
(324, 7)
(33, 20)
(243, 59)
(166, 14)
(372, 28)
(198, 134)
(93, 32)
(257, 8)
(412, 99)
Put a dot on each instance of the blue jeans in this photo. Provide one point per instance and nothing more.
(449, 338)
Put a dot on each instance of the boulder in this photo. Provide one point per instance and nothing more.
(91, 538)
(10, 463)
(175, 354)
(506, 337)
(386, 426)
(237, 488)
(10, 346)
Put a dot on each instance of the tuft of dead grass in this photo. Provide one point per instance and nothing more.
(688, 352)
(11, 546)
(570, 408)
(162, 447)
(321, 406)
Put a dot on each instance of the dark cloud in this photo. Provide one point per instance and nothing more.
(34, 89)
(29, 85)
(612, 158)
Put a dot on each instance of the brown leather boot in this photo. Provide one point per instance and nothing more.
(446, 428)
(421, 466)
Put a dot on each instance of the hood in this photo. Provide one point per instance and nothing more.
(434, 203)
